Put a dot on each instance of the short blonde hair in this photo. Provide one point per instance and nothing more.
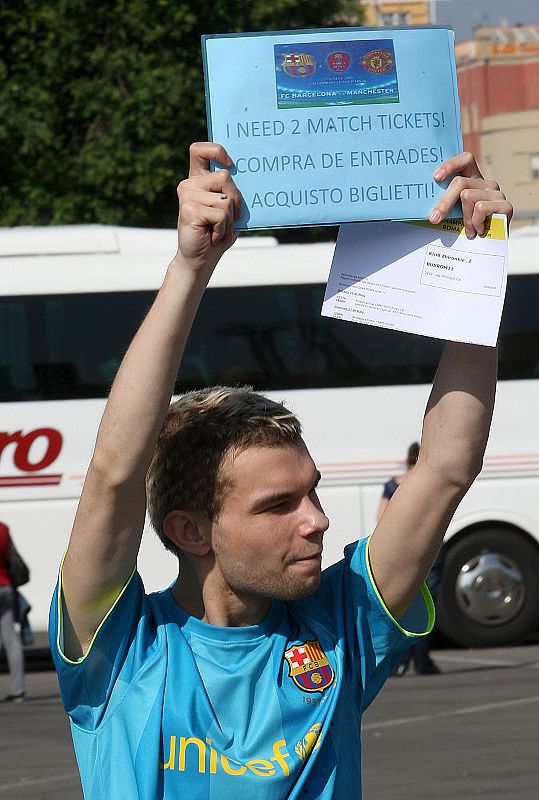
(200, 430)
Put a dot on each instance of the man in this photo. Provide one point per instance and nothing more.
(250, 674)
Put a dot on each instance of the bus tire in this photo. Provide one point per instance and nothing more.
(489, 591)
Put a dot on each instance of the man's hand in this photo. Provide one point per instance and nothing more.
(209, 202)
(479, 198)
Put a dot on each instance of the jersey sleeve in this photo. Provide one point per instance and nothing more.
(370, 635)
(381, 638)
(93, 685)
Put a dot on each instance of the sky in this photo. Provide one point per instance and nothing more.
(465, 15)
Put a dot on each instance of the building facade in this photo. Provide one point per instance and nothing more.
(498, 78)
(378, 13)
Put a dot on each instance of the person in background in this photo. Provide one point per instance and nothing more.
(9, 635)
(420, 651)
(22, 618)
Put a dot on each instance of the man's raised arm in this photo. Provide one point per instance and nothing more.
(108, 526)
(455, 429)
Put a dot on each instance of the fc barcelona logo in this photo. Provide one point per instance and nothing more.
(309, 667)
(298, 65)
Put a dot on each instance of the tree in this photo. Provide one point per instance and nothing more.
(100, 100)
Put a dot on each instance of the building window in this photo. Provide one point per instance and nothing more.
(474, 114)
(465, 119)
(394, 18)
(534, 166)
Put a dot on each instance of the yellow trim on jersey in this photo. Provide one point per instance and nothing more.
(425, 593)
(59, 637)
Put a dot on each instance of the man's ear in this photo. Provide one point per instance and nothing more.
(189, 531)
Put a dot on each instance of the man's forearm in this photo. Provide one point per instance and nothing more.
(459, 412)
(145, 381)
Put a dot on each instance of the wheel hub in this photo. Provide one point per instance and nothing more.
(490, 589)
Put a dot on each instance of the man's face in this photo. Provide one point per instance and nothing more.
(267, 540)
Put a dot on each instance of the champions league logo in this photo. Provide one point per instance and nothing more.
(309, 667)
(338, 62)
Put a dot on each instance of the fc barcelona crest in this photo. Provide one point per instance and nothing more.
(298, 65)
(309, 667)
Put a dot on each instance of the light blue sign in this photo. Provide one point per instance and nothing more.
(336, 125)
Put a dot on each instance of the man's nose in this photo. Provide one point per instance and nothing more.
(315, 519)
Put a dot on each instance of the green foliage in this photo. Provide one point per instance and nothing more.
(99, 101)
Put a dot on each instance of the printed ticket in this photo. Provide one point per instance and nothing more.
(453, 271)
(421, 278)
(336, 125)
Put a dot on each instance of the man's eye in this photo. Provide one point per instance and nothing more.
(279, 506)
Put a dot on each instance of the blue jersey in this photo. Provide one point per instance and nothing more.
(166, 706)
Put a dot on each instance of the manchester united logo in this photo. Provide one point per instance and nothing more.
(309, 667)
(377, 61)
(298, 65)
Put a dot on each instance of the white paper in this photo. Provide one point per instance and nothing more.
(421, 278)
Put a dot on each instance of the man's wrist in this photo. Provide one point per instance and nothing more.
(197, 271)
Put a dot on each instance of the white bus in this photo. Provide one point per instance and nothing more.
(72, 297)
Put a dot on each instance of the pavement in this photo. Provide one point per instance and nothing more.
(468, 733)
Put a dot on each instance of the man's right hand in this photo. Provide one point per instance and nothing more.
(209, 202)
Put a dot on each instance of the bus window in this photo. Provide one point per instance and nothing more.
(519, 338)
(271, 337)
(274, 338)
(49, 352)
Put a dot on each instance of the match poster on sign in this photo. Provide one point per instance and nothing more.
(332, 126)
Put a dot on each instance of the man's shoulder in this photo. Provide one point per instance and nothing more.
(352, 552)
(391, 486)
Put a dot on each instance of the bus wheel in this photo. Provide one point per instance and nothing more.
(489, 591)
